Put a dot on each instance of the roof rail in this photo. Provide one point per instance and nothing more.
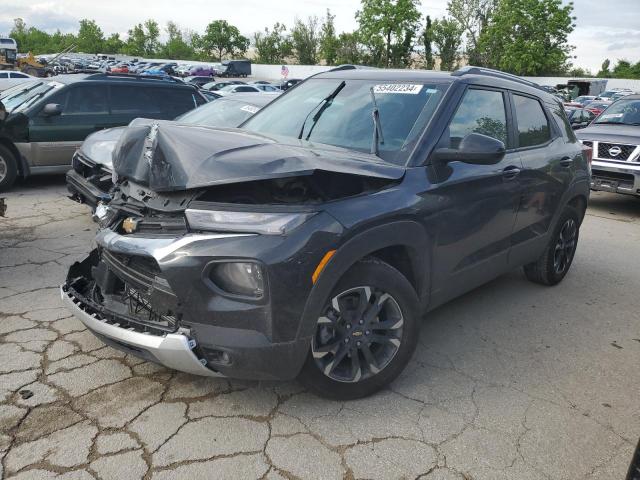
(131, 76)
(471, 70)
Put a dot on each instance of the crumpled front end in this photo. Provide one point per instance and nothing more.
(125, 320)
(156, 294)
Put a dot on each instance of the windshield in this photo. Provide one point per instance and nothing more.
(623, 112)
(341, 113)
(18, 99)
(221, 113)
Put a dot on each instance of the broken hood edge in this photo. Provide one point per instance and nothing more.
(168, 156)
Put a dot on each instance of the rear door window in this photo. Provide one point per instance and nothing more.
(4, 74)
(533, 125)
(87, 100)
(481, 111)
(131, 100)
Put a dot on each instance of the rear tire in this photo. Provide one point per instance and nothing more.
(365, 335)
(557, 258)
(8, 168)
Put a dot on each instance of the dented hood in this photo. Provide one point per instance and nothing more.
(168, 156)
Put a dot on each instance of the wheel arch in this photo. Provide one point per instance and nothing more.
(9, 145)
(579, 202)
(403, 244)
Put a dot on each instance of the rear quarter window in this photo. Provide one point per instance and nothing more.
(174, 101)
(533, 125)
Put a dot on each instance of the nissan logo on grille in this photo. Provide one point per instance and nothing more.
(615, 151)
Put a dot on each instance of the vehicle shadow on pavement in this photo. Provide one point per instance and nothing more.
(614, 206)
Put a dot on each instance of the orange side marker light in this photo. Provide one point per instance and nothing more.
(321, 265)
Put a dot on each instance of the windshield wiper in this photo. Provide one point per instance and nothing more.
(29, 101)
(325, 102)
(378, 138)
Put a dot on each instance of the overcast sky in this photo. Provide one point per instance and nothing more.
(604, 29)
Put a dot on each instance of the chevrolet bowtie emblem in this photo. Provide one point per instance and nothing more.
(130, 224)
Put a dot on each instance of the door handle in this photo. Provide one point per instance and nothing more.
(566, 162)
(511, 172)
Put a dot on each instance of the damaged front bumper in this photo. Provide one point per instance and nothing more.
(151, 296)
(173, 350)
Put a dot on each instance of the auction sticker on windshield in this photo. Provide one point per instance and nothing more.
(406, 88)
(250, 109)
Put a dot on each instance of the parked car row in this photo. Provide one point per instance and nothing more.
(45, 121)
(311, 241)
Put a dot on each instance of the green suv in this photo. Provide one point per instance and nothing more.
(43, 122)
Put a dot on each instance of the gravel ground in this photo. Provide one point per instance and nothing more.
(511, 381)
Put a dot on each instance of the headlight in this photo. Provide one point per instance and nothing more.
(239, 278)
(255, 222)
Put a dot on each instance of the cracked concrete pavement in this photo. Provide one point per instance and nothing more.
(511, 381)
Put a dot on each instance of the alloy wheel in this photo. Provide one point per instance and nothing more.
(358, 335)
(565, 246)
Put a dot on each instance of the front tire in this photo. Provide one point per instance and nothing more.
(8, 168)
(557, 258)
(365, 334)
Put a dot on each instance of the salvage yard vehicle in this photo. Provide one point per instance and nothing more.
(90, 179)
(597, 107)
(214, 86)
(9, 79)
(48, 120)
(615, 139)
(579, 117)
(311, 242)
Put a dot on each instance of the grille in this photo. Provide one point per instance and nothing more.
(135, 269)
(147, 296)
(625, 151)
(139, 306)
(587, 144)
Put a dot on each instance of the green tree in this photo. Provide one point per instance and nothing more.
(176, 47)
(328, 40)
(143, 40)
(427, 40)
(59, 41)
(221, 39)
(579, 72)
(305, 39)
(604, 70)
(152, 38)
(349, 49)
(528, 37)
(272, 46)
(30, 39)
(626, 69)
(473, 16)
(90, 37)
(447, 37)
(136, 41)
(388, 29)
(113, 44)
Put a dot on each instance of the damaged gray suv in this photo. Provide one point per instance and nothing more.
(311, 242)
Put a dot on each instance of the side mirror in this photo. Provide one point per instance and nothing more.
(52, 110)
(474, 148)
